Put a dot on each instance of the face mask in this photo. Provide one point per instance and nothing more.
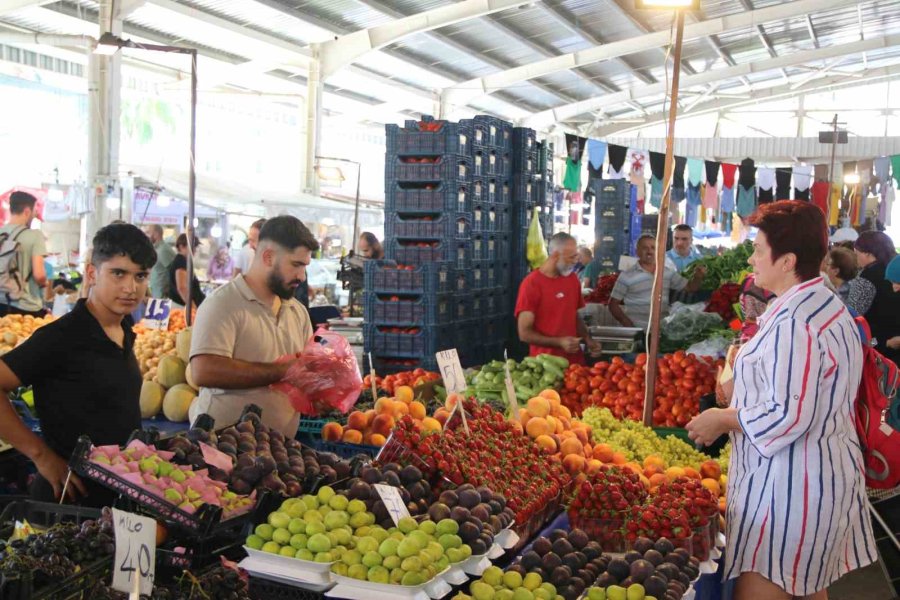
(564, 270)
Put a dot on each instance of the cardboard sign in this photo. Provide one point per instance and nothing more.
(393, 502)
(451, 371)
(135, 560)
(510, 391)
(157, 314)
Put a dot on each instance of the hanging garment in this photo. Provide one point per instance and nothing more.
(657, 165)
(712, 171)
(695, 170)
(728, 173)
(710, 197)
(747, 177)
(801, 194)
(574, 153)
(766, 196)
(638, 159)
(821, 173)
(864, 168)
(783, 183)
(726, 204)
(727, 219)
(820, 195)
(559, 198)
(617, 156)
(677, 194)
(802, 181)
(895, 168)
(834, 215)
(692, 205)
(887, 205)
(678, 179)
(746, 200)
(596, 152)
(882, 166)
(656, 191)
(765, 178)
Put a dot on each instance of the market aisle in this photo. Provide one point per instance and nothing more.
(864, 584)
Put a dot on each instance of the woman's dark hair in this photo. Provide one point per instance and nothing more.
(182, 242)
(123, 239)
(373, 243)
(795, 227)
(844, 261)
(289, 233)
(878, 244)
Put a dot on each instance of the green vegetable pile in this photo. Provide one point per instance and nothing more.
(531, 376)
(683, 329)
(721, 269)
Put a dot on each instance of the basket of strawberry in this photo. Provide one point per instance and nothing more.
(702, 509)
(601, 503)
(661, 517)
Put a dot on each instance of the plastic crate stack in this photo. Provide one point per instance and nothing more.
(420, 299)
(612, 225)
(532, 187)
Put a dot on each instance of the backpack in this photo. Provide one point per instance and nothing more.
(880, 443)
(12, 284)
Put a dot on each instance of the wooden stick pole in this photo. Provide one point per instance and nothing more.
(662, 231)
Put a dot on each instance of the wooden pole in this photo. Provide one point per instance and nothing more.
(662, 230)
(834, 141)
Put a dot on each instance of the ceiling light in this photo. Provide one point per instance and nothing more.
(667, 4)
(215, 231)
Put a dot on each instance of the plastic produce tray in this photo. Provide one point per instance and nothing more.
(384, 277)
(446, 168)
(445, 226)
(445, 197)
(450, 138)
(456, 252)
(422, 310)
(491, 190)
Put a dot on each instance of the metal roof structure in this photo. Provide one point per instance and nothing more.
(585, 65)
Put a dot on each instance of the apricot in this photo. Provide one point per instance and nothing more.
(573, 463)
(571, 445)
(352, 436)
(538, 406)
(332, 432)
(417, 410)
(593, 465)
(691, 472)
(376, 439)
(384, 406)
(370, 416)
(404, 394)
(401, 409)
(710, 470)
(546, 443)
(619, 459)
(654, 460)
(658, 479)
(357, 420)
(431, 424)
(563, 411)
(383, 424)
(603, 453)
(674, 473)
(712, 485)
(537, 426)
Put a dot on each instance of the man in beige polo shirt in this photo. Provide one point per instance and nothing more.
(246, 325)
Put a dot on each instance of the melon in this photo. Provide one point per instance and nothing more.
(151, 399)
(178, 401)
(183, 345)
(170, 371)
(189, 379)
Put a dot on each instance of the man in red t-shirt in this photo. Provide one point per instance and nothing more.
(548, 303)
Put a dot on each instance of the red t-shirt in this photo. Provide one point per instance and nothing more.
(555, 302)
(820, 195)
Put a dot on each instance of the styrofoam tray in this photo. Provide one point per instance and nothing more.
(495, 551)
(476, 565)
(507, 539)
(347, 587)
(248, 565)
(300, 570)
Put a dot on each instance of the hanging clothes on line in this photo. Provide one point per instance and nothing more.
(711, 193)
(820, 195)
(657, 171)
(596, 152)
(726, 203)
(692, 206)
(747, 176)
(783, 183)
(765, 181)
(802, 181)
(678, 179)
(895, 168)
(617, 156)
(638, 159)
(882, 166)
(574, 154)
(695, 171)
(821, 172)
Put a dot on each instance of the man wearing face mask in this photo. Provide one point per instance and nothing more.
(245, 326)
(634, 287)
(548, 303)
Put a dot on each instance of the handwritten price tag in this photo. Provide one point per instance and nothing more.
(454, 379)
(135, 563)
(393, 502)
(157, 314)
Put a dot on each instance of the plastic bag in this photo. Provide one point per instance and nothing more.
(324, 376)
(535, 249)
(715, 347)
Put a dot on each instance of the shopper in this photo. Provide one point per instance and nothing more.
(874, 250)
(82, 368)
(245, 258)
(797, 518)
(589, 269)
(159, 275)
(21, 288)
(548, 303)
(855, 292)
(369, 246)
(245, 326)
(178, 275)
(221, 267)
(683, 252)
(629, 301)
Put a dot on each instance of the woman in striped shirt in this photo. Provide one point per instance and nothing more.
(797, 517)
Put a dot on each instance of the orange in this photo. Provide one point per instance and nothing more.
(538, 406)
(332, 432)
(404, 394)
(417, 410)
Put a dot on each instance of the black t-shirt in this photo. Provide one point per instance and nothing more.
(180, 262)
(84, 383)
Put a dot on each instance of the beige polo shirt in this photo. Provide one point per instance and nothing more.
(233, 322)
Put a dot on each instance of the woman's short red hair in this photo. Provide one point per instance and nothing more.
(796, 227)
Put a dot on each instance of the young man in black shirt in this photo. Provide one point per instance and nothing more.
(82, 367)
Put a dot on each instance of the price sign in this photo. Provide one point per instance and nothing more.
(157, 314)
(135, 562)
(451, 371)
(510, 391)
(392, 502)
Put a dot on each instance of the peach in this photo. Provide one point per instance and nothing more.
(383, 424)
(452, 399)
(593, 465)
(417, 410)
(563, 411)
(401, 409)
(710, 470)
(538, 407)
(384, 406)
(712, 485)
(352, 436)
(547, 443)
(376, 439)
(581, 434)
(603, 453)
(571, 446)
(357, 420)
(619, 459)
(674, 473)
(537, 427)
(573, 463)
(658, 479)
(691, 472)
(441, 415)
(370, 416)
(550, 394)
(332, 432)
(517, 427)
(431, 424)
(404, 394)
(654, 460)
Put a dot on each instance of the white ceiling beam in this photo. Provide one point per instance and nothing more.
(466, 91)
(563, 113)
(778, 92)
(643, 28)
(338, 53)
(8, 6)
(812, 31)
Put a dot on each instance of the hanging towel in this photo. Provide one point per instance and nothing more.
(765, 178)
(783, 179)
(695, 170)
(712, 171)
(820, 195)
(596, 151)
(746, 200)
(657, 165)
(656, 191)
(747, 177)
(638, 159)
(617, 156)
(678, 179)
(728, 172)
(895, 168)
(802, 177)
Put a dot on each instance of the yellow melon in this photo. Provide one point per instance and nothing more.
(151, 399)
(170, 371)
(189, 379)
(183, 345)
(178, 401)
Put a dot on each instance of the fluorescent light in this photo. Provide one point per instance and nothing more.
(851, 178)
(669, 4)
(163, 200)
(112, 202)
(215, 231)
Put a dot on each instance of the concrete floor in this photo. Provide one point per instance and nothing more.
(865, 584)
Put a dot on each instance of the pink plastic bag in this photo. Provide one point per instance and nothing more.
(323, 377)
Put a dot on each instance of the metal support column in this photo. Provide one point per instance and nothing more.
(313, 121)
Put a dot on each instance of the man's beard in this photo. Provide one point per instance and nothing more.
(278, 287)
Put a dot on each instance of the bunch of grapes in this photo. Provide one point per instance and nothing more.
(224, 582)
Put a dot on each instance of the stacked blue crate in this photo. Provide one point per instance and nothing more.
(612, 222)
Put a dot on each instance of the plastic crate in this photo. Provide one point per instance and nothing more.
(385, 365)
(445, 197)
(451, 138)
(491, 190)
(444, 168)
(486, 246)
(462, 307)
(424, 309)
(524, 161)
(490, 162)
(491, 131)
(524, 189)
(413, 343)
(446, 226)
(345, 450)
(524, 138)
(456, 252)
(494, 350)
(487, 275)
(611, 192)
(491, 218)
(387, 277)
